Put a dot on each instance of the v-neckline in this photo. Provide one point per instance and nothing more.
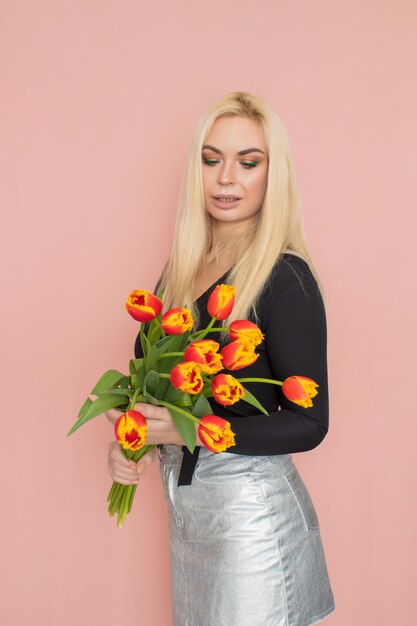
(216, 282)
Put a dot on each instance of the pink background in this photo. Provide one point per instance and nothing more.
(98, 103)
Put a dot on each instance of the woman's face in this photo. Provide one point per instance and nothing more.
(235, 165)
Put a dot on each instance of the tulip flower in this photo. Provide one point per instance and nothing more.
(300, 390)
(142, 305)
(221, 301)
(177, 321)
(215, 433)
(226, 389)
(205, 352)
(186, 376)
(130, 430)
(238, 354)
(245, 330)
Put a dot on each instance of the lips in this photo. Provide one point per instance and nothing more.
(226, 201)
(226, 197)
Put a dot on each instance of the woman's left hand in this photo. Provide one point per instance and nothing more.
(161, 428)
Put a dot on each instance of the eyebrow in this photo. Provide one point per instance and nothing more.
(241, 152)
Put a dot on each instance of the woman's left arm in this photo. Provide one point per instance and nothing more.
(296, 344)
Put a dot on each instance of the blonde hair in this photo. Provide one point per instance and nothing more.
(277, 229)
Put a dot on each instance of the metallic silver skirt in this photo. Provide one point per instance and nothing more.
(245, 543)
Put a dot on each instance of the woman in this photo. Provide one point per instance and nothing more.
(244, 534)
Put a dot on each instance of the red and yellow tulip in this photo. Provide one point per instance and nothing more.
(221, 301)
(205, 353)
(177, 321)
(216, 433)
(142, 305)
(186, 376)
(300, 390)
(226, 389)
(238, 354)
(130, 430)
(245, 330)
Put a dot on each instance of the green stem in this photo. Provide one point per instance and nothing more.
(259, 380)
(218, 329)
(134, 398)
(142, 339)
(123, 505)
(168, 354)
(132, 495)
(200, 334)
(178, 410)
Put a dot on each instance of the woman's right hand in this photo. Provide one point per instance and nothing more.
(125, 471)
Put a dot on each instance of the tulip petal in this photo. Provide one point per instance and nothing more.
(300, 390)
(143, 305)
(216, 434)
(221, 301)
(131, 429)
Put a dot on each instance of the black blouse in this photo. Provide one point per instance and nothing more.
(292, 316)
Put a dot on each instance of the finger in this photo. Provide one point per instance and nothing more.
(122, 481)
(117, 456)
(123, 473)
(92, 397)
(113, 414)
(116, 469)
(146, 461)
(152, 411)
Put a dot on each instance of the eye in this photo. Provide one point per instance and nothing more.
(249, 164)
(210, 162)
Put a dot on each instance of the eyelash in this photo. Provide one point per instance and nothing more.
(246, 164)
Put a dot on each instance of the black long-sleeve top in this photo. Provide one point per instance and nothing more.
(293, 319)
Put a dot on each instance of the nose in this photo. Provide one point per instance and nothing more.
(226, 175)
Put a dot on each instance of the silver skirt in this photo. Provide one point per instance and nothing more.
(245, 543)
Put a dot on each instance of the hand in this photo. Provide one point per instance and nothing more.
(127, 472)
(161, 428)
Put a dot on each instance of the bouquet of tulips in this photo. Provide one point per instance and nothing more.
(179, 370)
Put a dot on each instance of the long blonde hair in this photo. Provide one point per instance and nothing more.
(277, 229)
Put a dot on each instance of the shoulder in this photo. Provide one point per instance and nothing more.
(290, 292)
(291, 273)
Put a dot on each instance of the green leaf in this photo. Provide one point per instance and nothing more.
(184, 339)
(99, 406)
(107, 381)
(85, 408)
(150, 398)
(154, 332)
(168, 344)
(150, 382)
(248, 397)
(151, 361)
(202, 407)
(186, 428)
(120, 391)
(178, 397)
(137, 362)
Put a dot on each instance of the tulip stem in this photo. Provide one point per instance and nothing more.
(134, 398)
(178, 410)
(168, 354)
(259, 380)
(202, 333)
(217, 329)
(142, 338)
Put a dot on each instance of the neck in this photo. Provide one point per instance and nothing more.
(225, 238)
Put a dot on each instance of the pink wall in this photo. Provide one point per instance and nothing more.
(97, 107)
